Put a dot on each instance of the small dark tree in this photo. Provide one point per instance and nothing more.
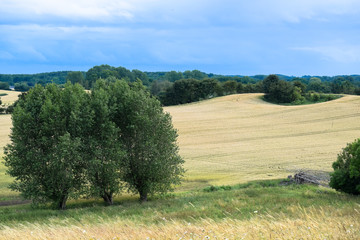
(22, 87)
(239, 87)
(346, 175)
(4, 85)
(270, 81)
(281, 92)
(229, 87)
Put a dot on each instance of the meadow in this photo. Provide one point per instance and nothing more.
(239, 141)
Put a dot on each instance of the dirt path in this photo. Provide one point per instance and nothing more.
(13, 202)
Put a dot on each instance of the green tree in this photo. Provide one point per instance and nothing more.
(76, 77)
(22, 87)
(229, 87)
(152, 162)
(105, 152)
(46, 146)
(269, 81)
(142, 76)
(346, 175)
(173, 76)
(207, 88)
(281, 92)
(315, 84)
(301, 87)
(240, 88)
(4, 86)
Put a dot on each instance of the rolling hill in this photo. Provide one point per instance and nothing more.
(239, 138)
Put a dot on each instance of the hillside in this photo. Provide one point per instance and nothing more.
(239, 138)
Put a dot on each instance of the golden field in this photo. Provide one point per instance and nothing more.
(239, 138)
(11, 96)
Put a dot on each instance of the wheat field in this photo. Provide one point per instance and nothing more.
(11, 96)
(239, 138)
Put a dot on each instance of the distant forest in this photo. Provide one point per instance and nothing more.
(182, 87)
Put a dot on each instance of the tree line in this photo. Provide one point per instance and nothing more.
(174, 87)
(67, 143)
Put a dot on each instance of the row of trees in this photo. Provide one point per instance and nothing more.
(67, 143)
(296, 92)
(191, 90)
(32, 79)
(276, 90)
(89, 78)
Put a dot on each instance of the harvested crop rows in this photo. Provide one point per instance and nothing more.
(239, 138)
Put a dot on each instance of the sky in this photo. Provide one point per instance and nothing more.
(230, 37)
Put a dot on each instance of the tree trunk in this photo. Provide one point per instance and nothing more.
(108, 198)
(62, 202)
(143, 196)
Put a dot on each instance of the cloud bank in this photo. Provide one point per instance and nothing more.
(229, 37)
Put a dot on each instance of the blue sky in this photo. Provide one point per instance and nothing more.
(292, 37)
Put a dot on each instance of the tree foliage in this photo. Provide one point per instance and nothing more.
(152, 162)
(105, 151)
(44, 156)
(22, 87)
(4, 86)
(269, 82)
(346, 175)
(67, 143)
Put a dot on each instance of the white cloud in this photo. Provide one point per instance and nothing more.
(297, 10)
(337, 53)
(171, 11)
(101, 10)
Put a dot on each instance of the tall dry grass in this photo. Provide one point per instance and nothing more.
(312, 224)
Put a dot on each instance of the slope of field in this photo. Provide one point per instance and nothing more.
(239, 138)
(11, 96)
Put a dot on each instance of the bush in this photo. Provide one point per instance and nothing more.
(217, 188)
(4, 85)
(346, 175)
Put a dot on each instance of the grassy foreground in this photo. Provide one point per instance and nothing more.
(259, 210)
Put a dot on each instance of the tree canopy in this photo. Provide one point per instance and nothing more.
(346, 175)
(67, 143)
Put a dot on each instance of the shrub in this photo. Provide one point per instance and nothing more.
(346, 175)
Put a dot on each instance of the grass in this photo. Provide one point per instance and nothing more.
(261, 209)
